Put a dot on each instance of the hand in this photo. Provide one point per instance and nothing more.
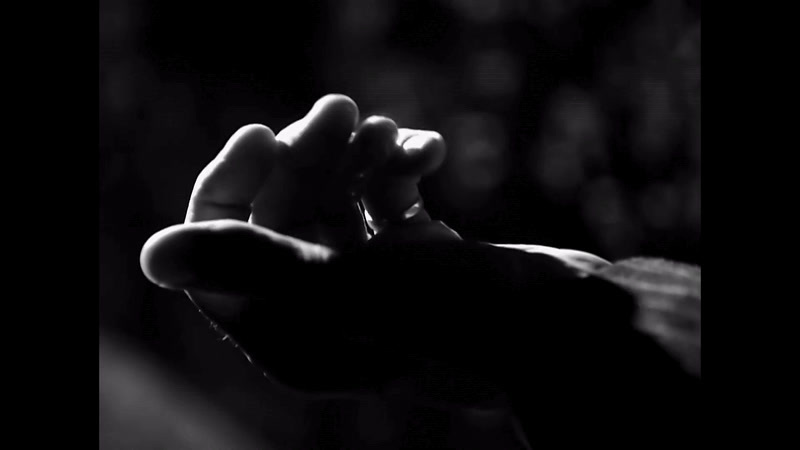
(276, 252)
(298, 193)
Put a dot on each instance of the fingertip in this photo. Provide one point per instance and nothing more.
(255, 131)
(377, 134)
(417, 153)
(338, 105)
(252, 138)
(383, 123)
(425, 152)
(159, 256)
(335, 98)
(318, 138)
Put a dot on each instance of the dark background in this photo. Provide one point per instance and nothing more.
(569, 123)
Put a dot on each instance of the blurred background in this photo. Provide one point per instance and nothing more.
(569, 123)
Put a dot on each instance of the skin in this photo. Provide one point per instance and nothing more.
(369, 309)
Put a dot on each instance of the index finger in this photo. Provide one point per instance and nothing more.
(228, 185)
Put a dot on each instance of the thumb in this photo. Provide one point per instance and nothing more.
(227, 257)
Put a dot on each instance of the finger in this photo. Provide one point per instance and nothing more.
(423, 151)
(289, 199)
(321, 136)
(224, 256)
(394, 189)
(392, 197)
(341, 222)
(229, 184)
(225, 189)
(370, 146)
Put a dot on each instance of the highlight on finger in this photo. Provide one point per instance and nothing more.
(228, 185)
